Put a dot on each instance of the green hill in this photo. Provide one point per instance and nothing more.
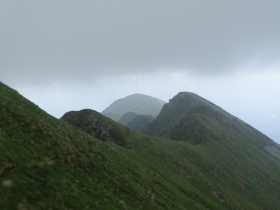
(127, 117)
(191, 118)
(135, 121)
(46, 163)
(140, 121)
(137, 103)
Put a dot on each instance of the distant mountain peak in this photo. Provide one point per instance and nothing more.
(138, 103)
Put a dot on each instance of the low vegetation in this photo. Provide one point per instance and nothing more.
(46, 163)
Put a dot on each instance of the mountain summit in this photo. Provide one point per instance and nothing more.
(137, 103)
(189, 117)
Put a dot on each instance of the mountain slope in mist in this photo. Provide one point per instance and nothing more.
(137, 103)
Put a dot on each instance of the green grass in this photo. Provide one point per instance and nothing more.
(45, 165)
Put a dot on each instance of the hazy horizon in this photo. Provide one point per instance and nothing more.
(70, 55)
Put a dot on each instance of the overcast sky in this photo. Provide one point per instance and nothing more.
(68, 55)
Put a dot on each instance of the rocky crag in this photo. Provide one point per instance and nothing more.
(90, 122)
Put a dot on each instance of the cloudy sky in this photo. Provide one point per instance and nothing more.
(69, 55)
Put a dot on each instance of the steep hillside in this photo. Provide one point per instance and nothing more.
(137, 103)
(113, 116)
(135, 121)
(140, 121)
(46, 163)
(127, 117)
(191, 118)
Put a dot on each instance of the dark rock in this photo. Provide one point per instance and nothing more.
(90, 122)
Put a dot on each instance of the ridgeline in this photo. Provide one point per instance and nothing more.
(47, 163)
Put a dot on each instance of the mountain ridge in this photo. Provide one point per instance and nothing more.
(45, 164)
(188, 106)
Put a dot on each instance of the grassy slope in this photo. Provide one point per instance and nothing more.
(140, 121)
(126, 118)
(44, 165)
(191, 118)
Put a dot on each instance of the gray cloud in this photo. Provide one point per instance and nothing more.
(69, 55)
(43, 41)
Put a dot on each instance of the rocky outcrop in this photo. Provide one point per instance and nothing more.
(90, 122)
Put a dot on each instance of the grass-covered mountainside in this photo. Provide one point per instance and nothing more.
(140, 121)
(137, 103)
(191, 118)
(135, 121)
(46, 163)
(127, 117)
